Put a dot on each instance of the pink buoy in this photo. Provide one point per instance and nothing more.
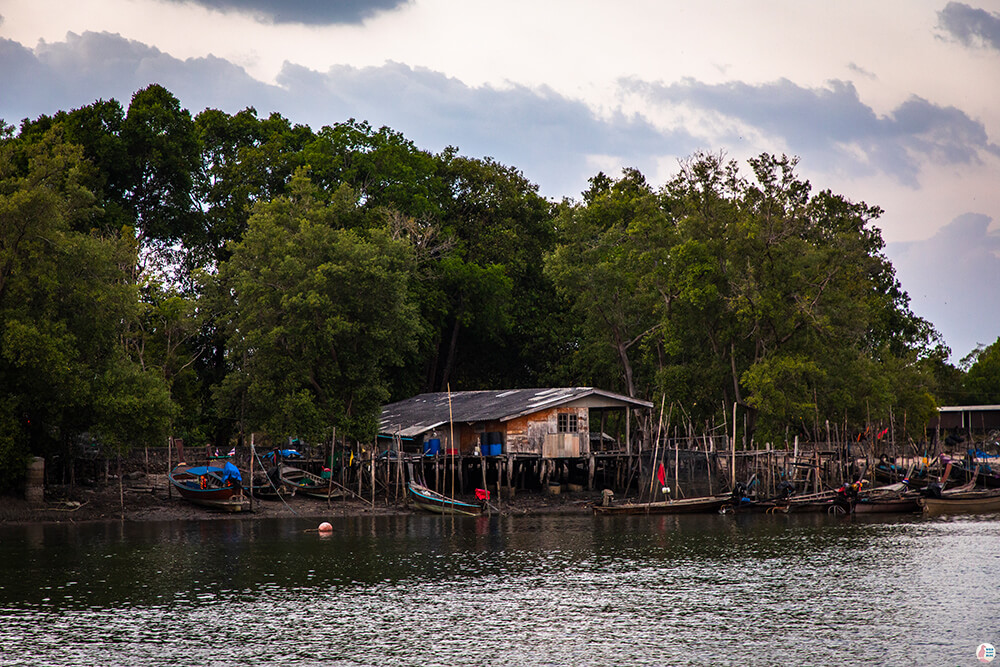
(325, 527)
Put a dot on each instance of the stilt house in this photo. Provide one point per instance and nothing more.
(551, 423)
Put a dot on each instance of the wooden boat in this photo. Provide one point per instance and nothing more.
(888, 504)
(209, 486)
(267, 488)
(301, 481)
(432, 501)
(968, 502)
(682, 506)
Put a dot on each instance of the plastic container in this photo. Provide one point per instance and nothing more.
(432, 447)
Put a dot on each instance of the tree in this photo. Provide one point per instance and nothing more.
(318, 313)
(599, 271)
(983, 377)
(66, 304)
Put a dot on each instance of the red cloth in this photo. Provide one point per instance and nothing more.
(661, 475)
(482, 494)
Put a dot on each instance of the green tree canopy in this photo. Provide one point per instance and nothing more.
(318, 313)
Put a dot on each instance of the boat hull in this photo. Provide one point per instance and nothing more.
(431, 501)
(970, 503)
(685, 506)
(213, 495)
(299, 481)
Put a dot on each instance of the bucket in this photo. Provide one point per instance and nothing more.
(432, 447)
(555, 489)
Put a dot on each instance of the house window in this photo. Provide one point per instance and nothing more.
(567, 422)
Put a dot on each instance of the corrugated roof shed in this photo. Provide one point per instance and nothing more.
(425, 412)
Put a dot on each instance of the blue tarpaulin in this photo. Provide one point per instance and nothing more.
(200, 471)
(229, 471)
(284, 453)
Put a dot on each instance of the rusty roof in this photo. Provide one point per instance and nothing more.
(425, 412)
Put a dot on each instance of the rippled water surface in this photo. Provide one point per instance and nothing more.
(542, 590)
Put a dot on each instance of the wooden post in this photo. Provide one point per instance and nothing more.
(591, 470)
(250, 481)
(451, 440)
(170, 442)
(732, 461)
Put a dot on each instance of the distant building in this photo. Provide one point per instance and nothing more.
(972, 418)
(548, 423)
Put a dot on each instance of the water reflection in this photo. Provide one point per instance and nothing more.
(546, 590)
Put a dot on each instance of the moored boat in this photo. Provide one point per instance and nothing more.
(967, 502)
(210, 486)
(297, 480)
(683, 506)
(432, 501)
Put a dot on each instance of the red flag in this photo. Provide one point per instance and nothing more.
(661, 475)
(882, 434)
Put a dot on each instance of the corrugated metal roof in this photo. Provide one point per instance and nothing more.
(425, 412)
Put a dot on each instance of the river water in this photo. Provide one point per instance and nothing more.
(527, 590)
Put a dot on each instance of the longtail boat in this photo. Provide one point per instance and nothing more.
(432, 501)
(297, 480)
(682, 506)
(967, 502)
(210, 486)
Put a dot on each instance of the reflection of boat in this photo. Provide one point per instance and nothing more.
(297, 480)
(682, 506)
(432, 501)
(210, 486)
(969, 501)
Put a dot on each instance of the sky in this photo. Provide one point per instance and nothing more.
(895, 103)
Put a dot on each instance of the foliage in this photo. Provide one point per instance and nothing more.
(983, 378)
(317, 314)
(67, 302)
(162, 271)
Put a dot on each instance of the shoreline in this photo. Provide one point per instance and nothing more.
(150, 504)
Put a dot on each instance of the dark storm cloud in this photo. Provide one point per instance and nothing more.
(970, 26)
(945, 277)
(822, 123)
(308, 12)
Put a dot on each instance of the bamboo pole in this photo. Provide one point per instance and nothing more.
(451, 440)
(732, 462)
(170, 446)
(250, 481)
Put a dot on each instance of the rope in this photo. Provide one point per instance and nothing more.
(271, 482)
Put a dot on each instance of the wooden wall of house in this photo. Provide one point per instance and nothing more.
(526, 435)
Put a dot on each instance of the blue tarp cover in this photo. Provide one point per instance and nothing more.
(285, 453)
(229, 471)
(199, 471)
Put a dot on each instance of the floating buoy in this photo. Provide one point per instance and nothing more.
(325, 527)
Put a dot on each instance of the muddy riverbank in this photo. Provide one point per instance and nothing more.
(149, 500)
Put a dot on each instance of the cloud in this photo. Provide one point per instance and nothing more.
(858, 69)
(833, 126)
(553, 139)
(308, 12)
(70, 74)
(950, 279)
(970, 26)
(550, 137)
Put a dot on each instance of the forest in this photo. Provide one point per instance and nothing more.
(207, 276)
